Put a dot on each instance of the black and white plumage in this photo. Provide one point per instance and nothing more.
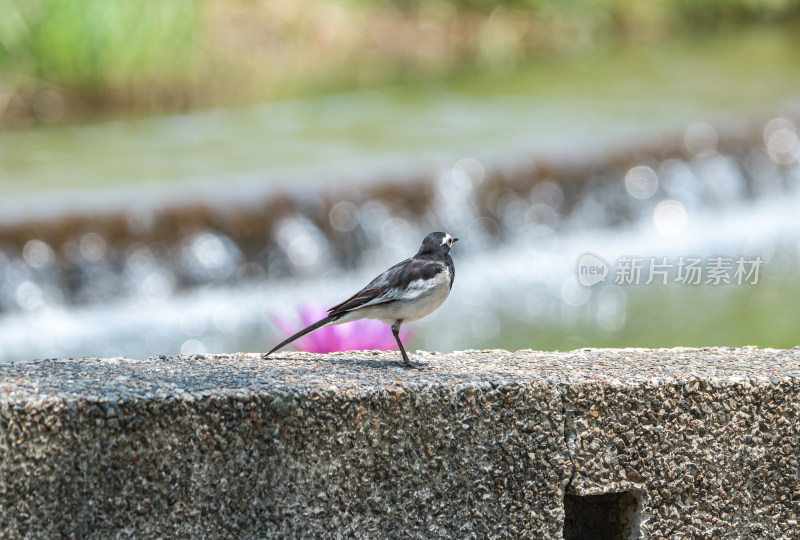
(406, 292)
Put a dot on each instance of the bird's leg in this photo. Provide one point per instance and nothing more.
(396, 334)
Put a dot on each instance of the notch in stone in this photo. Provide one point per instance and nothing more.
(607, 516)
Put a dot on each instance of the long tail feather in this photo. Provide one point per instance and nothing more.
(307, 330)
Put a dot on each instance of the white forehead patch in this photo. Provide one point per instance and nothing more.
(447, 239)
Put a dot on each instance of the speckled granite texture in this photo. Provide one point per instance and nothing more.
(479, 444)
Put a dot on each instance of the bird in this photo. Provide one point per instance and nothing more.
(406, 292)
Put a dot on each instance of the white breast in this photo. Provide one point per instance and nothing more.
(421, 298)
(426, 301)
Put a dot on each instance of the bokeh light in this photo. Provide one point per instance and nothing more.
(641, 182)
(780, 137)
(670, 218)
(701, 138)
(37, 254)
(345, 216)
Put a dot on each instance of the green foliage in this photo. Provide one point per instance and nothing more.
(155, 56)
(97, 43)
(689, 12)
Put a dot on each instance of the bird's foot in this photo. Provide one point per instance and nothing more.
(414, 365)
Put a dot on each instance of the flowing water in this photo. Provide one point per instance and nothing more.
(196, 233)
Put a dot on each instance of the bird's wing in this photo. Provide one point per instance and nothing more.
(403, 281)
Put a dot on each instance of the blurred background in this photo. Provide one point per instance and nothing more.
(205, 176)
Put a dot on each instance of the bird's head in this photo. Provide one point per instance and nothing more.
(437, 242)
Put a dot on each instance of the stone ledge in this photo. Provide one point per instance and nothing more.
(477, 444)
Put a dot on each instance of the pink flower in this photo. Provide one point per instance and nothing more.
(353, 336)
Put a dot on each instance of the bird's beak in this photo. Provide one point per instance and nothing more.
(455, 240)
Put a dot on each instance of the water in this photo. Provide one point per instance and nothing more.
(193, 233)
(561, 107)
(516, 284)
(298, 146)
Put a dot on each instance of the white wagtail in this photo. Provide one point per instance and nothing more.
(405, 292)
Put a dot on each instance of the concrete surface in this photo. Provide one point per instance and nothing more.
(692, 443)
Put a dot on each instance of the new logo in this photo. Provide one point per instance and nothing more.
(592, 269)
